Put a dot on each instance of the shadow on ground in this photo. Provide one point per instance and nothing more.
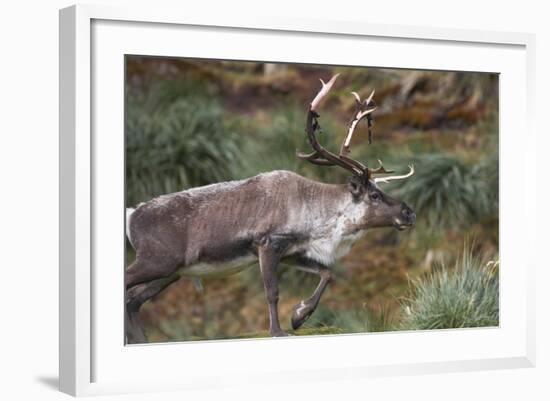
(52, 382)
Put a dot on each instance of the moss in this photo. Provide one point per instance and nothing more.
(306, 331)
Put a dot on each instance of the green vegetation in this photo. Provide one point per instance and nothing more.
(176, 142)
(447, 191)
(464, 296)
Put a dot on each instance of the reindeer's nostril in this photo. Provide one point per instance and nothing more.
(408, 213)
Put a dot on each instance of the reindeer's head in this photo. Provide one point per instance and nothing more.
(378, 208)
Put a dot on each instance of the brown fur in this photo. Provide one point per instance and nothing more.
(222, 221)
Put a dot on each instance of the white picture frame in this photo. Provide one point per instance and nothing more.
(94, 360)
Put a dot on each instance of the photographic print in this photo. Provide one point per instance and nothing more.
(278, 199)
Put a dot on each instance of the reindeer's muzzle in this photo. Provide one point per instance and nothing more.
(406, 218)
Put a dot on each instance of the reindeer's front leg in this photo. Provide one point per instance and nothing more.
(304, 309)
(269, 252)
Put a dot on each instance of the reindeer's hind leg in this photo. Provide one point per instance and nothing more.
(144, 279)
(304, 309)
(143, 269)
(137, 296)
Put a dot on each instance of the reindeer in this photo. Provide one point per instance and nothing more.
(223, 228)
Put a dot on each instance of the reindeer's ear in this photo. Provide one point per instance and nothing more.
(356, 187)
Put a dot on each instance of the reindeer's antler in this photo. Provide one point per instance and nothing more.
(323, 92)
(362, 111)
(324, 157)
(395, 177)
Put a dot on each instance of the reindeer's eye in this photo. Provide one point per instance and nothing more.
(375, 196)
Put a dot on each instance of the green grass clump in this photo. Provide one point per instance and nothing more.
(464, 296)
(448, 192)
(176, 142)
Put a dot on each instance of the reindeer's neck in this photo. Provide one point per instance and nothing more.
(334, 209)
(335, 224)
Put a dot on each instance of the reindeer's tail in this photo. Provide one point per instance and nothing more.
(129, 212)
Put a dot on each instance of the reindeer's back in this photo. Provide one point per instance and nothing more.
(216, 221)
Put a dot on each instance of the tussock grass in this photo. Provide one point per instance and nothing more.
(464, 296)
(176, 142)
(448, 192)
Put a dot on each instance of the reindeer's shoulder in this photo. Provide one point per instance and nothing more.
(279, 176)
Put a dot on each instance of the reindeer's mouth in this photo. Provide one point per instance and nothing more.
(401, 225)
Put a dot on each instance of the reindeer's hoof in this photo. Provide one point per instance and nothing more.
(300, 313)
